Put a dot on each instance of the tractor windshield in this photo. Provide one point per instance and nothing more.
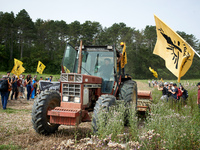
(69, 59)
(101, 64)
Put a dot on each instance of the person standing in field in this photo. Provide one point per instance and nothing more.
(198, 96)
(149, 83)
(174, 91)
(171, 84)
(184, 95)
(10, 85)
(169, 94)
(51, 78)
(19, 84)
(14, 87)
(4, 92)
(33, 88)
(164, 90)
(153, 82)
(36, 84)
(28, 86)
(23, 86)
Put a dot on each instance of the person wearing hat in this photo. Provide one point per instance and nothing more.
(198, 96)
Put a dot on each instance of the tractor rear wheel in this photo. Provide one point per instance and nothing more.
(128, 92)
(45, 101)
(103, 103)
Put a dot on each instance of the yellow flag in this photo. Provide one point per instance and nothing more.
(124, 57)
(40, 67)
(66, 70)
(155, 74)
(18, 69)
(17, 61)
(176, 52)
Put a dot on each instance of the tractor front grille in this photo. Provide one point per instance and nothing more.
(69, 77)
(73, 90)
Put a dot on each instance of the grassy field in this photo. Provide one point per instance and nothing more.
(55, 77)
(169, 125)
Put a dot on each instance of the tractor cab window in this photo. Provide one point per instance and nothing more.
(69, 59)
(101, 64)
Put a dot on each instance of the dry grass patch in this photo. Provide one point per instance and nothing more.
(16, 130)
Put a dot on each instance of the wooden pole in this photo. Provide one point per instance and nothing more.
(80, 58)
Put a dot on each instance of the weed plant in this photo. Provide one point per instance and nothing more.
(10, 147)
(169, 125)
(112, 121)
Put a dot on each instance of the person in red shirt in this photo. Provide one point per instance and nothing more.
(198, 97)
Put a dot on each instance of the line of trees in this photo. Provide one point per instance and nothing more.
(45, 40)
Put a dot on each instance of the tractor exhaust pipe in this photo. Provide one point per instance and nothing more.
(80, 58)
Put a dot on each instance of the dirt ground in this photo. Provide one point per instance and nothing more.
(16, 131)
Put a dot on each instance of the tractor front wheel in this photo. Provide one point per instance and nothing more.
(103, 103)
(128, 92)
(45, 101)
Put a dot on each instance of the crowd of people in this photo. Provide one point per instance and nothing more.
(15, 88)
(172, 91)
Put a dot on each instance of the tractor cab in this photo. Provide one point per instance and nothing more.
(99, 61)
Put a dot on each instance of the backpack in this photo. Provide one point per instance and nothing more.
(9, 86)
(3, 85)
(179, 94)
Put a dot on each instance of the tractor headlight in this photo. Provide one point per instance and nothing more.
(65, 98)
(77, 100)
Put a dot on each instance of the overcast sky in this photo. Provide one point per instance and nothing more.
(181, 15)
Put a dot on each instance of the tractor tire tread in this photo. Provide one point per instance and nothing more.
(48, 98)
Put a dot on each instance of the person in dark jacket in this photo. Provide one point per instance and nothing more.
(184, 91)
(4, 95)
(36, 84)
(184, 96)
(174, 91)
(169, 94)
(14, 87)
(28, 86)
(164, 90)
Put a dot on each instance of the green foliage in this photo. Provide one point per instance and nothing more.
(112, 121)
(9, 147)
(45, 41)
(10, 110)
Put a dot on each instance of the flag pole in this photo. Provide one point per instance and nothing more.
(196, 52)
(36, 71)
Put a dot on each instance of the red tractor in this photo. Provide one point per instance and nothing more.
(92, 77)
